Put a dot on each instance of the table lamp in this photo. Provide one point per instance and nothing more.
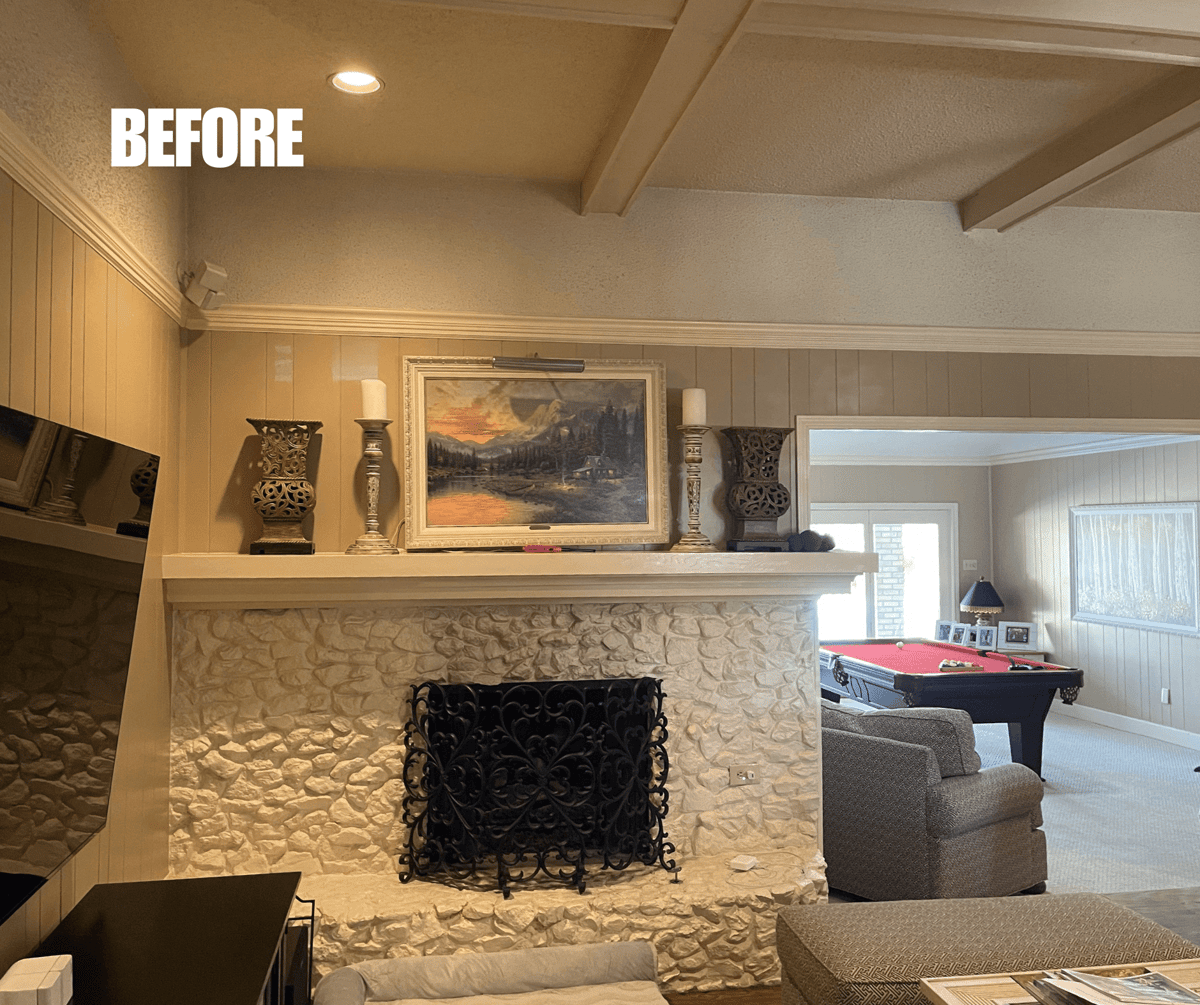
(983, 601)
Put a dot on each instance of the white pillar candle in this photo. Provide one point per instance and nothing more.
(695, 407)
(374, 403)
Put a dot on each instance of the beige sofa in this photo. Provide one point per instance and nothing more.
(909, 815)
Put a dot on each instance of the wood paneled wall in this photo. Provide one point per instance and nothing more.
(230, 377)
(81, 346)
(1125, 669)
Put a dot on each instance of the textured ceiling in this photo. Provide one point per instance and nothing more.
(485, 92)
(882, 121)
(468, 92)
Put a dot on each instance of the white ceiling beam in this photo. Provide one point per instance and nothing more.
(668, 77)
(1158, 32)
(629, 13)
(1128, 131)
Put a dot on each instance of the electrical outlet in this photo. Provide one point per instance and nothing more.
(1166, 696)
(970, 565)
(743, 774)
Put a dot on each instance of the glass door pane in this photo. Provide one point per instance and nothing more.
(844, 615)
(917, 550)
(908, 584)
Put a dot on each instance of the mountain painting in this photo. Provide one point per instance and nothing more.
(518, 452)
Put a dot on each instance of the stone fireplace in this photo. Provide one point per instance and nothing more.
(288, 745)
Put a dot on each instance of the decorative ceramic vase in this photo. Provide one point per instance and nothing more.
(283, 497)
(143, 481)
(756, 498)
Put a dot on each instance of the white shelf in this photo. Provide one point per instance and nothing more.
(330, 579)
(103, 542)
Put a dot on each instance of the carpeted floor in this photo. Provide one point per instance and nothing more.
(1122, 812)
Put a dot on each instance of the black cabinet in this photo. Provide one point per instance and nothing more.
(198, 941)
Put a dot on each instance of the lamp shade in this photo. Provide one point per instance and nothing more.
(981, 600)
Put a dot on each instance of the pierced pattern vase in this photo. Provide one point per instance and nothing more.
(284, 496)
(756, 498)
(143, 481)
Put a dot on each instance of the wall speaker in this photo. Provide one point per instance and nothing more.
(206, 286)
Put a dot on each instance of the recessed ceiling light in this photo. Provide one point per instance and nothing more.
(354, 82)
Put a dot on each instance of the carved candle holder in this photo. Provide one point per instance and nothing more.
(756, 498)
(693, 439)
(373, 542)
(284, 496)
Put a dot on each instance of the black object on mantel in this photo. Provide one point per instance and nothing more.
(810, 540)
(185, 941)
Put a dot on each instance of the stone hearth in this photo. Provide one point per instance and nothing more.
(713, 929)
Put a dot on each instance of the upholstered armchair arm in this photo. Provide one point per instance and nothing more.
(967, 802)
(874, 801)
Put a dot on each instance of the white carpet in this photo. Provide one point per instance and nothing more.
(1122, 811)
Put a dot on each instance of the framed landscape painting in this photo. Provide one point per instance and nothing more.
(496, 459)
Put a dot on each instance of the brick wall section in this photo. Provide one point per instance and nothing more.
(889, 581)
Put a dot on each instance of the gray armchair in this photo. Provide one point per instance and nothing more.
(909, 815)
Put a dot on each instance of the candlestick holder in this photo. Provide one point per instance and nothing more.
(693, 540)
(62, 508)
(373, 542)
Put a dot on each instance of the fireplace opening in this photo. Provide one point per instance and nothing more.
(535, 778)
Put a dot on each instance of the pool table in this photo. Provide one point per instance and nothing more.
(880, 673)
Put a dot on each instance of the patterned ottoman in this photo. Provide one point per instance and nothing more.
(868, 953)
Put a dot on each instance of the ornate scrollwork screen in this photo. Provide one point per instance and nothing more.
(535, 777)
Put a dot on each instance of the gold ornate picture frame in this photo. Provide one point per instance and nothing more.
(496, 459)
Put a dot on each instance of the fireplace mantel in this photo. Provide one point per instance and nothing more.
(227, 581)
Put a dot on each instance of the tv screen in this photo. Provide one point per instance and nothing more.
(74, 517)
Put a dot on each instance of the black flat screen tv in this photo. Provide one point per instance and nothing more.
(74, 517)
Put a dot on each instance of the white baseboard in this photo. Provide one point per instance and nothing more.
(1154, 730)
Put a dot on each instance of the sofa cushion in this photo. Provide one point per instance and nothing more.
(836, 716)
(947, 731)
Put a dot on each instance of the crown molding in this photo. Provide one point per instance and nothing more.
(318, 320)
(1129, 441)
(41, 178)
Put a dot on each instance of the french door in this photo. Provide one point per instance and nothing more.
(917, 544)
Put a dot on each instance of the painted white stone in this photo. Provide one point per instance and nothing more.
(288, 739)
(715, 928)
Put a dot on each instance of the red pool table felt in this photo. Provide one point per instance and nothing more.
(924, 657)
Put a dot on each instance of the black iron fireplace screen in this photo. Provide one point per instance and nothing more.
(538, 777)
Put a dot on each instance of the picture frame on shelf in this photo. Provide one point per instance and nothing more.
(958, 633)
(1021, 635)
(942, 630)
(497, 459)
(986, 638)
(971, 636)
(26, 443)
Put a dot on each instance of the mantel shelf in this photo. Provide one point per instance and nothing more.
(274, 581)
